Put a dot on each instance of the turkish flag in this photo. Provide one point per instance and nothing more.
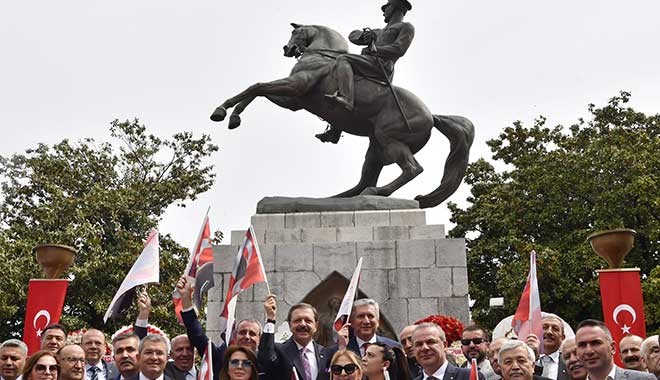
(44, 307)
(623, 305)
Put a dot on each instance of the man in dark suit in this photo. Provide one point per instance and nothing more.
(574, 366)
(516, 361)
(364, 321)
(474, 344)
(248, 331)
(125, 350)
(93, 342)
(71, 358)
(551, 363)
(429, 346)
(595, 348)
(405, 338)
(182, 366)
(300, 353)
(152, 358)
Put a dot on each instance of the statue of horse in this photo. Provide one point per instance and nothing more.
(376, 115)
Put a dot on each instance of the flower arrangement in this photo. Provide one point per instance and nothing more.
(452, 327)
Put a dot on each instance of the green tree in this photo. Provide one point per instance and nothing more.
(559, 186)
(102, 200)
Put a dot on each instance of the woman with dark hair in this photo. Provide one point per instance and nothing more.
(239, 363)
(382, 362)
(345, 365)
(42, 365)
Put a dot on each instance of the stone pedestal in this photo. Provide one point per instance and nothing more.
(409, 267)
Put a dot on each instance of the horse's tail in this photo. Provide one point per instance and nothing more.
(460, 132)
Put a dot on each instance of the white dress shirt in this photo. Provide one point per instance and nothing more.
(439, 374)
(311, 357)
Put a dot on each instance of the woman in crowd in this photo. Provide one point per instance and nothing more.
(345, 365)
(382, 362)
(41, 366)
(239, 363)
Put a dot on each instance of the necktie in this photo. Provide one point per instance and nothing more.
(363, 349)
(305, 362)
(93, 373)
(546, 360)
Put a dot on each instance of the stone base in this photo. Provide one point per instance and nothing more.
(408, 267)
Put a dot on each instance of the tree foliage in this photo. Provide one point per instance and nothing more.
(102, 200)
(559, 186)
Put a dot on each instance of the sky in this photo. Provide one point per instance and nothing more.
(69, 68)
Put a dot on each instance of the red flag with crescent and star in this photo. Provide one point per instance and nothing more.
(623, 305)
(44, 307)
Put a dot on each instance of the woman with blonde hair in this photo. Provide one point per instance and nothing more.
(42, 365)
(345, 365)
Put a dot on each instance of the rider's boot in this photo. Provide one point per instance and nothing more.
(331, 134)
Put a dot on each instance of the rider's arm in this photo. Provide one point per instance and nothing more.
(400, 45)
(362, 37)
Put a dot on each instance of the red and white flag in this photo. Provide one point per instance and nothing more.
(527, 319)
(248, 270)
(347, 303)
(144, 270)
(294, 373)
(44, 307)
(199, 270)
(473, 370)
(623, 304)
(206, 370)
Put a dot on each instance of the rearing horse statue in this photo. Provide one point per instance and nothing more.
(376, 116)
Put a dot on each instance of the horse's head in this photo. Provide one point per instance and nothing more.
(305, 37)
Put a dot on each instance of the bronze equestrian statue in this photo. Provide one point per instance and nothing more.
(397, 122)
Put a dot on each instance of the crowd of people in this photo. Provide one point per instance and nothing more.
(360, 353)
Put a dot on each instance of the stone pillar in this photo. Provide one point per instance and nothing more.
(409, 267)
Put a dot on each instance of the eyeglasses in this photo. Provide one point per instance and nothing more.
(466, 342)
(348, 368)
(72, 360)
(41, 368)
(236, 363)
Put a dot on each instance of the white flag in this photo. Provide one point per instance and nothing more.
(144, 270)
(347, 303)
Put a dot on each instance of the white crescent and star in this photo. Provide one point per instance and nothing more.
(624, 307)
(41, 313)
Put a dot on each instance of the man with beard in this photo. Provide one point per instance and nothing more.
(595, 348)
(71, 358)
(429, 343)
(152, 358)
(12, 359)
(474, 344)
(405, 337)
(53, 337)
(300, 353)
(551, 364)
(630, 348)
(93, 342)
(183, 355)
(576, 370)
(125, 353)
(516, 361)
(651, 355)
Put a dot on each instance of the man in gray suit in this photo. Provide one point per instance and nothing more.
(429, 347)
(595, 348)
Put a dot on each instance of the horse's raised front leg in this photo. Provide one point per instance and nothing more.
(373, 164)
(293, 86)
(282, 101)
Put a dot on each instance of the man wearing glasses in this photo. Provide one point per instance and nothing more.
(474, 344)
(72, 362)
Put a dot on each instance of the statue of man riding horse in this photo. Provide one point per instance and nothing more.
(354, 94)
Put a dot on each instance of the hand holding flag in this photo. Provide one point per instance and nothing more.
(347, 303)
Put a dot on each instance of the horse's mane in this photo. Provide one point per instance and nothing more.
(334, 39)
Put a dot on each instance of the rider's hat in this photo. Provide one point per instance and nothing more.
(402, 3)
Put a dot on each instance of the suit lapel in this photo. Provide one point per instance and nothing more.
(450, 372)
(292, 353)
(353, 346)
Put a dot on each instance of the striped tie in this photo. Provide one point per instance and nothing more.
(93, 373)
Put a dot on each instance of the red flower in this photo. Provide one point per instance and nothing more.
(452, 327)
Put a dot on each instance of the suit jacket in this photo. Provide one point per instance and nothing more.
(172, 371)
(454, 373)
(200, 341)
(353, 346)
(110, 370)
(629, 374)
(277, 360)
(485, 368)
(562, 372)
